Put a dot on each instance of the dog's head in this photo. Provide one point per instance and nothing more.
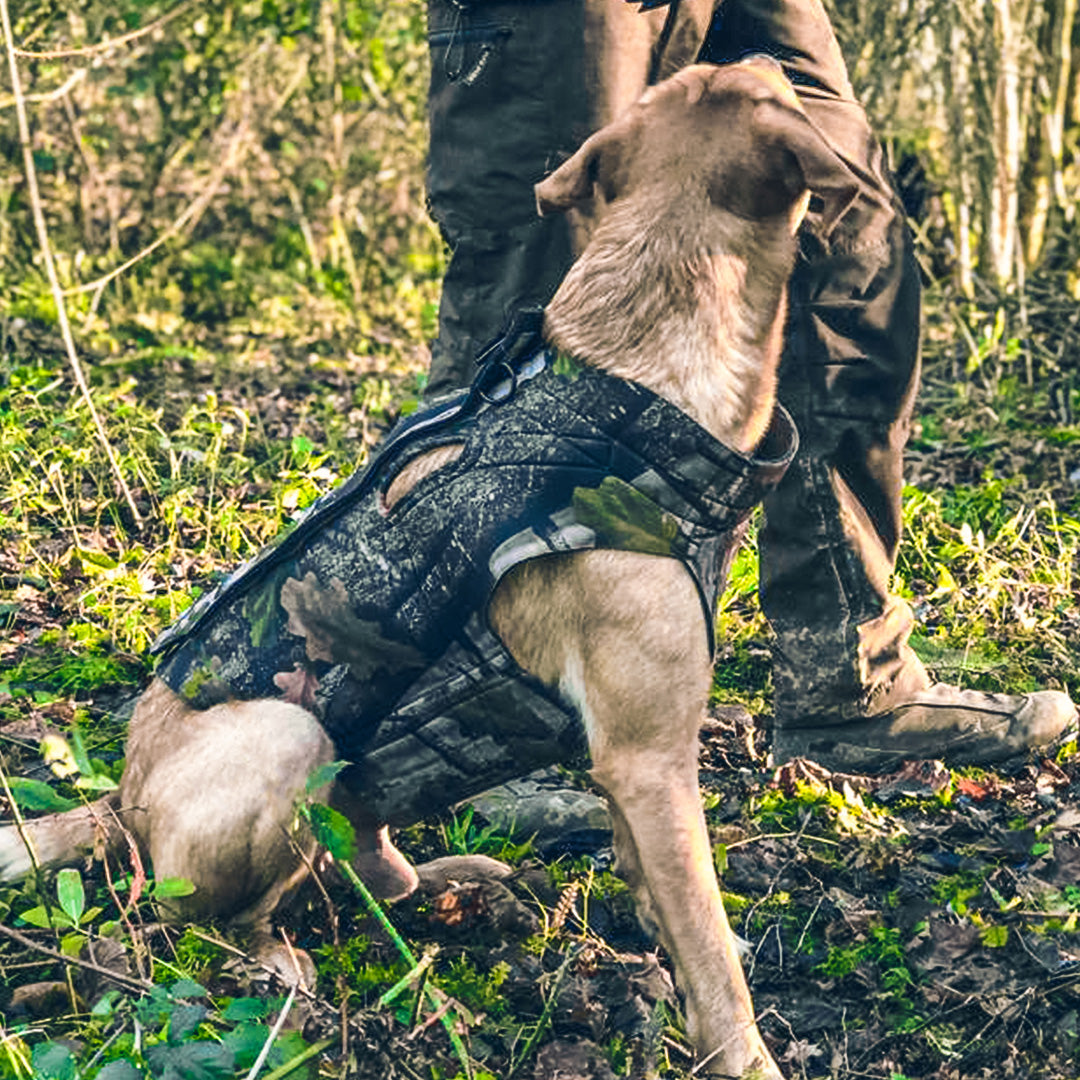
(737, 131)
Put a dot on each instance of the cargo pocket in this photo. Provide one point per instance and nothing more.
(505, 101)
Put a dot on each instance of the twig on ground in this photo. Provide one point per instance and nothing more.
(76, 77)
(248, 958)
(274, 1032)
(806, 927)
(115, 976)
(415, 972)
(780, 836)
(100, 1053)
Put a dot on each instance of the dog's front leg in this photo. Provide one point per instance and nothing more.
(664, 853)
(623, 635)
(645, 680)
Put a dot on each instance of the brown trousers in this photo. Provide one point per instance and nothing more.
(515, 88)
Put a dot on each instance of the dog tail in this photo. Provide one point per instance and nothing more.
(58, 839)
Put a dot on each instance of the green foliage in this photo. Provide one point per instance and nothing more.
(479, 991)
(842, 812)
(186, 1037)
(954, 892)
(882, 950)
(462, 836)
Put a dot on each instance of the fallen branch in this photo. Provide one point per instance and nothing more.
(272, 1035)
(73, 80)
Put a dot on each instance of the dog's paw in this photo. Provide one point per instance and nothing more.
(15, 861)
(438, 874)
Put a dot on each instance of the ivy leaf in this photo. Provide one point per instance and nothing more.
(334, 831)
(37, 795)
(70, 893)
(191, 1061)
(153, 1006)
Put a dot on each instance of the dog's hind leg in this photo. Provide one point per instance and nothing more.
(213, 796)
(56, 839)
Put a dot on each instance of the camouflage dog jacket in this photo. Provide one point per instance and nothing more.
(376, 620)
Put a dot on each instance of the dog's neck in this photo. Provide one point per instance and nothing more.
(691, 306)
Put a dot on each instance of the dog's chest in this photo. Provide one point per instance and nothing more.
(377, 622)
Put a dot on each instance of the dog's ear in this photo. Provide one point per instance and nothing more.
(824, 172)
(572, 183)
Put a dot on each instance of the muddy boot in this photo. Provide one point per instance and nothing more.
(961, 727)
(850, 692)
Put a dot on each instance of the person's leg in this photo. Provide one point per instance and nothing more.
(832, 529)
(506, 106)
(516, 86)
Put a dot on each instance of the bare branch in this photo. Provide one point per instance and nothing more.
(76, 77)
(111, 43)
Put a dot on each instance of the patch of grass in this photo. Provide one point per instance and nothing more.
(71, 673)
(480, 991)
(463, 836)
(882, 951)
(984, 567)
(842, 813)
(955, 892)
(349, 965)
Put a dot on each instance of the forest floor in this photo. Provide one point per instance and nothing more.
(920, 925)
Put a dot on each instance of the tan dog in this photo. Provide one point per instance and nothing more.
(698, 191)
